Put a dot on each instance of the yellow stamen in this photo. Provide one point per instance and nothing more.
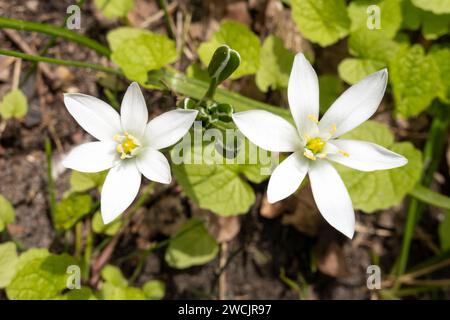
(316, 145)
(313, 118)
(345, 154)
(308, 154)
(127, 145)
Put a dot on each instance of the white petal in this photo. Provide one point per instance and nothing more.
(332, 197)
(119, 190)
(133, 111)
(366, 156)
(267, 130)
(98, 118)
(287, 177)
(92, 157)
(154, 165)
(303, 93)
(169, 127)
(357, 104)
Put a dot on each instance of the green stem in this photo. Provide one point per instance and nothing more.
(432, 155)
(196, 89)
(54, 31)
(50, 43)
(70, 63)
(78, 239)
(431, 197)
(51, 182)
(167, 17)
(88, 250)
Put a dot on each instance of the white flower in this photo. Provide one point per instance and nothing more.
(314, 142)
(128, 145)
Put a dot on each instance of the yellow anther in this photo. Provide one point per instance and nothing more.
(308, 154)
(127, 145)
(345, 154)
(316, 145)
(322, 155)
(313, 118)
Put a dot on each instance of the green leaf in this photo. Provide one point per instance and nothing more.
(372, 45)
(390, 16)
(114, 8)
(321, 21)
(415, 81)
(114, 276)
(330, 88)
(81, 181)
(14, 105)
(411, 16)
(238, 37)
(431, 197)
(191, 246)
(371, 191)
(8, 262)
(444, 232)
(442, 60)
(70, 210)
(39, 277)
(435, 6)
(216, 185)
(111, 292)
(84, 293)
(110, 229)
(7, 213)
(138, 51)
(275, 65)
(435, 26)
(154, 289)
(352, 70)
(197, 72)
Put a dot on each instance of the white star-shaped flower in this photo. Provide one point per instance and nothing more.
(315, 142)
(127, 145)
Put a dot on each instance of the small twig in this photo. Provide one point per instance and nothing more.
(157, 16)
(168, 18)
(16, 74)
(222, 276)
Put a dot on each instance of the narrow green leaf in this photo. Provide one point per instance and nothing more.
(430, 197)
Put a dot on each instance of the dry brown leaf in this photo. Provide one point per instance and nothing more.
(330, 259)
(223, 229)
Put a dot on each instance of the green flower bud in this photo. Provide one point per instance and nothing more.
(223, 63)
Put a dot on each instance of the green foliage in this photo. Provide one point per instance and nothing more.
(84, 293)
(191, 246)
(70, 210)
(275, 65)
(7, 213)
(14, 105)
(373, 51)
(39, 275)
(435, 6)
(8, 262)
(112, 9)
(444, 232)
(138, 51)
(371, 191)
(238, 37)
(352, 70)
(390, 16)
(110, 229)
(154, 289)
(197, 72)
(442, 60)
(115, 286)
(415, 80)
(321, 21)
(216, 185)
(81, 181)
(330, 89)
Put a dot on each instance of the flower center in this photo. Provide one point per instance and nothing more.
(128, 145)
(314, 148)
